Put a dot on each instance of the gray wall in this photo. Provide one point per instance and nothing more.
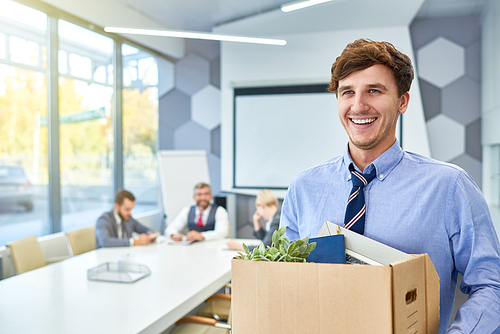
(448, 54)
(189, 104)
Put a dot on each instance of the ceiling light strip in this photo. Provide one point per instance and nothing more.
(195, 35)
(301, 4)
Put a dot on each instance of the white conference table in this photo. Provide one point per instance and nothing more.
(59, 298)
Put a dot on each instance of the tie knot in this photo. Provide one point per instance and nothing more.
(360, 179)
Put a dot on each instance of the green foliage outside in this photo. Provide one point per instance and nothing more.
(23, 100)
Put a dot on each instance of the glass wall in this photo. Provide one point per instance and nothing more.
(23, 123)
(140, 126)
(86, 133)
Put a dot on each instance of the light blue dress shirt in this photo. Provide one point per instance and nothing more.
(417, 205)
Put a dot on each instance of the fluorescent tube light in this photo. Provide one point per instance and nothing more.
(301, 4)
(195, 35)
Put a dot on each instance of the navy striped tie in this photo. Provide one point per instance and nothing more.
(355, 212)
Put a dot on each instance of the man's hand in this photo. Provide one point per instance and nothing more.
(256, 221)
(234, 245)
(143, 239)
(177, 237)
(194, 236)
(152, 236)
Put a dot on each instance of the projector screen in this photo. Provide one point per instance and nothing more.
(280, 131)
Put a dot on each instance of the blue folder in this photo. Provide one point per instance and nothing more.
(329, 249)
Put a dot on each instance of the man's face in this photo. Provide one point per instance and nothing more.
(125, 210)
(369, 106)
(202, 196)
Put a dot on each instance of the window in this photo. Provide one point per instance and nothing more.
(140, 126)
(23, 123)
(86, 137)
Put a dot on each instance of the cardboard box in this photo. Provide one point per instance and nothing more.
(280, 297)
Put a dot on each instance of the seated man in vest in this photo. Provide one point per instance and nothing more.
(204, 221)
(114, 228)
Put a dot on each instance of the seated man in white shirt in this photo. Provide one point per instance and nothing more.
(204, 221)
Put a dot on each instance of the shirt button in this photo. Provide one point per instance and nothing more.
(381, 176)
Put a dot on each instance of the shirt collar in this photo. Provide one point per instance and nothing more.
(197, 212)
(384, 164)
(117, 217)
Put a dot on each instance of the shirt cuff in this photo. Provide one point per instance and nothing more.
(131, 241)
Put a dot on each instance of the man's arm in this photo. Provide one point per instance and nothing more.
(289, 215)
(178, 223)
(221, 225)
(139, 228)
(476, 251)
(104, 234)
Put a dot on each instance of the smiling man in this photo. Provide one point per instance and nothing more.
(204, 220)
(402, 199)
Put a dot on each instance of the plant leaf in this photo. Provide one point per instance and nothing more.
(282, 231)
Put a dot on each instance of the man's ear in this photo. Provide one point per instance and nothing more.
(404, 100)
(116, 206)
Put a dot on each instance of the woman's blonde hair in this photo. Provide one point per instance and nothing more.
(266, 197)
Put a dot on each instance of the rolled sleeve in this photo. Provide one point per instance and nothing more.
(178, 223)
(477, 257)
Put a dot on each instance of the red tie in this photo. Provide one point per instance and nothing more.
(200, 222)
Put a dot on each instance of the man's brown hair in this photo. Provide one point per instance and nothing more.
(121, 195)
(364, 53)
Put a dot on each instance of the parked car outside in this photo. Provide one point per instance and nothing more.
(15, 187)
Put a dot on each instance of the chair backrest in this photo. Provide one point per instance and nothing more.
(82, 240)
(27, 254)
(54, 245)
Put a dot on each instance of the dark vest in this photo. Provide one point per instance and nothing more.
(209, 226)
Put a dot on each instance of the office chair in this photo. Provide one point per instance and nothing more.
(217, 306)
(201, 325)
(82, 240)
(28, 255)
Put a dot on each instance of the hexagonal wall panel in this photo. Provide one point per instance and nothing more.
(441, 62)
(471, 166)
(166, 72)
(192, 73)
(175, 109)
(215, 134)
(473, 61)
(446, 137)
(215, 72)
(206, 107)
(461, 101)
(166, 137)
(192, 136)
(473, 145)
(431, 99)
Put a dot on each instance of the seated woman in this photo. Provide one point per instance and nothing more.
(266, 205)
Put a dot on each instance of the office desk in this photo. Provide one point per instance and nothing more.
(59, 298)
